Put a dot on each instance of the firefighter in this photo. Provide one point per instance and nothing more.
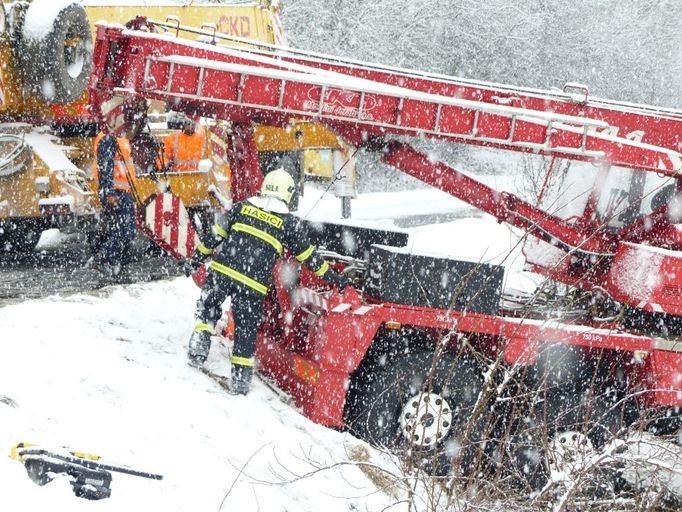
(114, 174)
(244, 247)
(185, 148)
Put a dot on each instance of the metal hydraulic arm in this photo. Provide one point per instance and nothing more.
(501, 205)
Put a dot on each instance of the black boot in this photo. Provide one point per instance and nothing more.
(241, 379)
(199, 346)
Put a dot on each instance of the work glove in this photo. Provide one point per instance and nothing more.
(111, 201)
(190, 266)
(193, 264)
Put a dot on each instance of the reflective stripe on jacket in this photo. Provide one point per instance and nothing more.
(250, 239)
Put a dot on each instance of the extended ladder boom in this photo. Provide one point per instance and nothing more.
(651, 125)
(238, 85)
(364, 104)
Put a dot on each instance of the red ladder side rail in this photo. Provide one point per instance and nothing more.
(235, 85)
(651, 125)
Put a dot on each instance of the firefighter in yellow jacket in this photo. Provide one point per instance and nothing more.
(244, 247)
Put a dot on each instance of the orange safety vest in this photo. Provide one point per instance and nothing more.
(185, 151)
(122, 160)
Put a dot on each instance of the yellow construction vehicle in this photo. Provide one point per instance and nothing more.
(303, 148)
(309, 151)
(257, 20)
(39, 184)
(47, 130)
(46, 159)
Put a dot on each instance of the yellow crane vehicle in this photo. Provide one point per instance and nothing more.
(47, 129)
(309, 151)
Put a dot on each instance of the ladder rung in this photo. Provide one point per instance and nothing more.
(200, 84)
(361, 106)
(548, 134)
(282, 86)
(171, 71)
(240, 87)
(583, 142)
(474, 127)
(323, 94)
(147, 66)
(512, 128)
(436, 121)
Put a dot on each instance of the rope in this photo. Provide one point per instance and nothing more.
(335, 178)
(129, 178)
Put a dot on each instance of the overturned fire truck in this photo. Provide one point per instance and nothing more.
(460, 372)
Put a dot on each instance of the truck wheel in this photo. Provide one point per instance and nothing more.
(56, 61)
(400, 410)
(19, 236)
(561, 436)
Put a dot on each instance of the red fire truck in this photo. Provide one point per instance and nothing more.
(427, 353)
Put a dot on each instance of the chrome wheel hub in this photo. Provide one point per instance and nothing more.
(426, 419)
(569, 451)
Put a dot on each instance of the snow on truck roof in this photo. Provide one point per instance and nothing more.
(49, 151)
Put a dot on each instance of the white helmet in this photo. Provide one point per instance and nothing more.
(279, 184)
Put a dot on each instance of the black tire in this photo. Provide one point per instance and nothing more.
(374, 408)
(19, 236)
(597, 418)
(55, 65)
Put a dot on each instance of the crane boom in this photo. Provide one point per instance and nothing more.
(644, 123)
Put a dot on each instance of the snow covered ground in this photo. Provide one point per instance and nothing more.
(105, 372)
